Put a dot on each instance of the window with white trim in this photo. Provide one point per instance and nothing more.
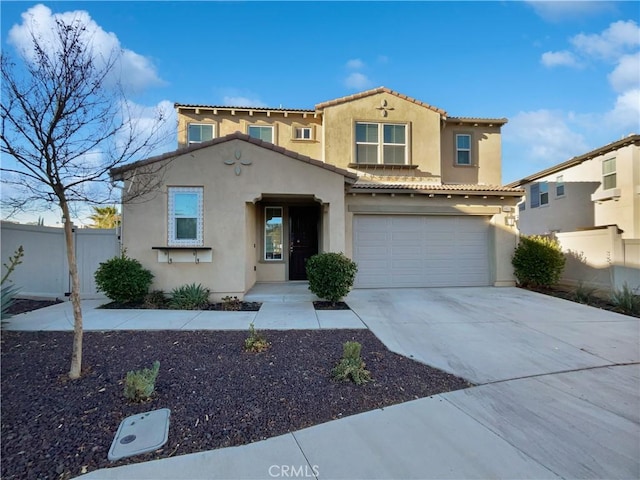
(463, 149)
(273, 233)
(302, 133)
(261, 132)
(559, 186)
(200, 132)
(609, 174)
(381, 143)
(185, 216)
(544, 193)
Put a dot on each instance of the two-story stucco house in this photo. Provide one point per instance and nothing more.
(592, 204)
(410, 193)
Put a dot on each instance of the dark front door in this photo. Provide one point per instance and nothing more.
(303, 239)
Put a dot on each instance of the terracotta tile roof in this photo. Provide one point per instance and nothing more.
(437, 188)
(116, 173)
(240, 107)
(374, 91)
(633, 139)
(472, 120)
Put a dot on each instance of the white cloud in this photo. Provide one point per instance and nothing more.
(563, 58)
(133, 70)
(555, 11)
(544, 137)
(355, 64)
(241, 101)
(625, 115)
(619, 38)
(626, 75)
(357, 81)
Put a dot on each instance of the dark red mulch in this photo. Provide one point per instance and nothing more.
(219, 395)
(22, 305)
(324, 305)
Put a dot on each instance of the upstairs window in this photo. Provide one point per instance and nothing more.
(609, 174)
(539, 194)
(544, 193)
(463, 149)
(200, 132)
(261, 132)
(381, 143)
(559, 186)
(185, 216)
(303, 133)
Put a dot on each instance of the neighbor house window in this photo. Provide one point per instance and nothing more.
(559, 186)
(200, 132)
(544, 193)
(185, 216)
(609, 174)
(261, 132)
(273, 233)
(302, 133)
(463, 149)
(381, 143)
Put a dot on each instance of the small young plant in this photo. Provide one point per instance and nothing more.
(351, 366)
(155, 299)
(189, 297)
(139, 385)
(231, 304)
(9, 291)
(584, 294)
(255, 342)
(626, 299)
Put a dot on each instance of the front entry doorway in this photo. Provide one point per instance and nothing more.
(303, 239)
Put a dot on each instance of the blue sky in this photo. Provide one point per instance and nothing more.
(565, 74)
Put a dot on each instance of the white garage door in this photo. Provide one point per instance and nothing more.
(421, 251)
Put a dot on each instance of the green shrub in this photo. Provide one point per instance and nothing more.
(8, 293)
(331, 275)
(155, 299)
(538, 261)
(189, 297)
(255, 342)
(351, 366)
(139, 385)
(584, 294)
(231, 304)
(123, 279)
(626, 299)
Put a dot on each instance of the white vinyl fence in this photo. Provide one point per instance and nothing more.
(44, 271)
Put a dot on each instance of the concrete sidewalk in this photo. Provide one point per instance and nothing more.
(558, 392)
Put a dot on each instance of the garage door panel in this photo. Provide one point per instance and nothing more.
(421, 251)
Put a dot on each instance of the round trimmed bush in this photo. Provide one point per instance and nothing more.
(123, 279)
(331, 275)
(538, 261)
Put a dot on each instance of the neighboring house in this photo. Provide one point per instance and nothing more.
(592, 204)
(411, 194)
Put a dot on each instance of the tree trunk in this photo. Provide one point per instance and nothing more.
(76, 356)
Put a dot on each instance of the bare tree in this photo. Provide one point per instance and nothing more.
(65, 123)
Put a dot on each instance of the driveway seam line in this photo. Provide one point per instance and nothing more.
(295, 439)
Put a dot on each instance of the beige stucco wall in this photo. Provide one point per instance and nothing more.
(502, 238)
(226, 123)
(423, 130)
(486, 155)
(231, 221)
(576, 210)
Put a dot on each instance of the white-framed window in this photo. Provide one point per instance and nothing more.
(273, 237)
(463, 149)
(560, 186)
(200, 132)
(609, 174)
(302, 133)
(261, 132)
(544, 193)
(185, 212)
(384, 143)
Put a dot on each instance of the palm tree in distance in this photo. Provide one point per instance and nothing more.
(105, 217)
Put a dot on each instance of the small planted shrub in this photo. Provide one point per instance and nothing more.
(626, 299)
(331, 275)
(139, 385)
(584, 294)
(351, 366)
(255, 342)
(231, 304)
(538, 261)
(189, 297)
(156, 299)
(123, 279)
(9, 291)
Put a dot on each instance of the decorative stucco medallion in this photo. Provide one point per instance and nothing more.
(238, 168)
(384, 108)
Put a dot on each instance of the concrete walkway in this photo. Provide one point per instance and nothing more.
(558, 396)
